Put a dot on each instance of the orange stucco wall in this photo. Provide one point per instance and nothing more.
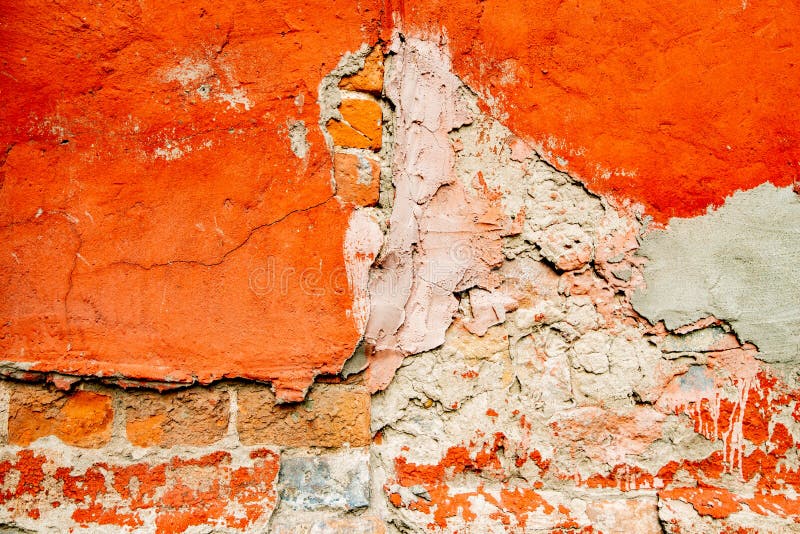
(674, 105)
(148, 183)
(148, 172)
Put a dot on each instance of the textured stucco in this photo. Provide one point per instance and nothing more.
(671, 105)
(442, 238)
(163, 177)
(568, 410)
(421, 257)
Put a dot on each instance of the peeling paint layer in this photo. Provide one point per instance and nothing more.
(552, 405)
(673, 105)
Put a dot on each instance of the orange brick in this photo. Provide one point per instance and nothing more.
(345, 136)
(361, 126)
(195, 416)
(370, 78)
(81, 418)
(365, 116)
(332, 415)
(358, 179)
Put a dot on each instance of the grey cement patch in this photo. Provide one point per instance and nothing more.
(335, 481)
(738, 263)
(298, 139)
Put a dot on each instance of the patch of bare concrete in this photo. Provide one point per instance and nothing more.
(738, 263)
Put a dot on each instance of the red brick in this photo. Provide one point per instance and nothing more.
(332, 415)
(196, 416)
(81, 418)
(358, 179)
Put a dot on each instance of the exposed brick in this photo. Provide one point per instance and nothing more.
(81, 418)
(332, 415)
(196, 416)
(365, 116)
(360, 127)
(358, 179)
(370, 78)
(345, 135)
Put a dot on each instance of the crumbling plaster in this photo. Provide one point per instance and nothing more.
(534, 367)
(542, 398)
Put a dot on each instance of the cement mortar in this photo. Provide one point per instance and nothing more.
(738, 263)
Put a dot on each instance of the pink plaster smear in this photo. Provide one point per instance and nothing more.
(442, 238)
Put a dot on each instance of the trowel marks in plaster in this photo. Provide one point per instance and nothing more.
(738, 263)
(442, 239)
(362, 243)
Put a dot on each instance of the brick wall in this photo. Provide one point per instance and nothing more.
(95, 457)
(397, 267)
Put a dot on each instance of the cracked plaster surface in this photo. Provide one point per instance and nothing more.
(565, 406)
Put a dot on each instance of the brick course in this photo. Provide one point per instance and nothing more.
(197, 416)
(331, 416)
(80, 418)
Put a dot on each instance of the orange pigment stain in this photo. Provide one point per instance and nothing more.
(736, 424)
(181, 493)
(511, 502)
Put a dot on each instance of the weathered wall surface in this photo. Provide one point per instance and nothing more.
(224, 457)
(674, 105)
(163, 175)
(373, 267)
(551, 404)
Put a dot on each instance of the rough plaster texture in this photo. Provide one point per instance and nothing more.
(442, 239)
(738, 263)
(672, 105)
(111, 490)
(161, 182)
(571, 412)
(489, 299)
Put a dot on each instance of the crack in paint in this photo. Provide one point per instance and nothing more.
(230, 251)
